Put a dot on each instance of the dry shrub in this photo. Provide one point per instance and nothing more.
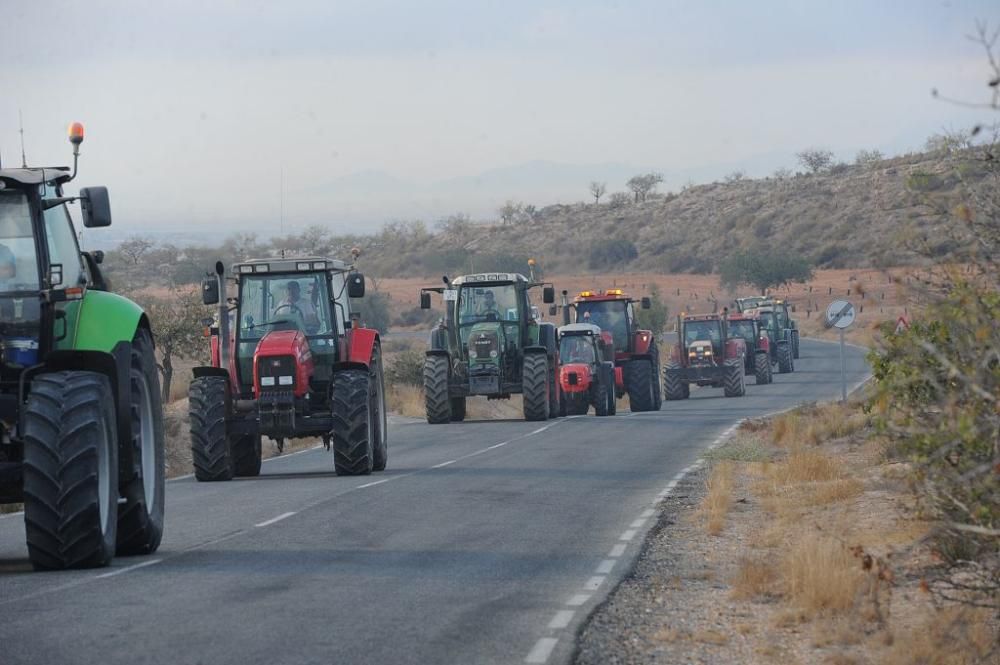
(719, 496)
(834, 491)
(710, 636)
(817, 424)
(805, 466)
(952, 636)
(754, 577)
(669, 634)
(821, 575)
(405, 400)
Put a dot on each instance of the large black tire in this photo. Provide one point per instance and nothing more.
(535, 386)
(210, 447)
(657, 387)
(380, 438)
(577, 404)
(458, 409)
(674, 385)
(436, 402)
(639, 384)
(734, 384)
(601, 401)
(70, 471)
(555, 394)
(353, 423)
(785, 362)
(140, 518)
(247, 455)
(795, 343)
(762, 368)
(612, 401)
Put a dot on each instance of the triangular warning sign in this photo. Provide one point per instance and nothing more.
(902, 324)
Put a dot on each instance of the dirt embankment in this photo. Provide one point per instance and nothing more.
(798, 543)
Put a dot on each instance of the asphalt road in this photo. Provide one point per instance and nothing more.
(483, 542)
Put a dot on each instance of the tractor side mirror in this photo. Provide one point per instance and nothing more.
(95, 206)
(548, 294)
(355, 285)
(425, 300)
(210, 291)
(645, 303)
(55, 274)
(793, 308)
(553, 310)
(98, 256)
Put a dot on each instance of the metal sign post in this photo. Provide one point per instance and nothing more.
(840, 314)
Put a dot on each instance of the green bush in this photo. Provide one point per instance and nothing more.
(407, 368)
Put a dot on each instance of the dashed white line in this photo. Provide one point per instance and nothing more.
(542, 650)
(637, 524)
(605, 566)
(628, 535)
(646, 514)
(594, 582)
(561, 619)
(373, 483)
(617, 550)
(578, 599)
(497, 445)
(275, 519)
(127, 569)
(443, 464)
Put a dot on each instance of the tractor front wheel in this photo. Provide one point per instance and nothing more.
(140, 518)
(657, 387)
(210, 447)
(436, 402)
(380, 439)
(535, 387)
(70, 471)
(795, 343)
(762, 368)
(576, 404)
(354, 427)
(785, 362)
(555, 394)
(639, 385)
(734, 383)
(674, 385)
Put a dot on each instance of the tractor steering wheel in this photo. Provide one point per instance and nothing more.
(293, 310)
(491, 315)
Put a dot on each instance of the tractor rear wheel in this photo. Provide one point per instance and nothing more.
(734, 383)
(795, 343)
(140, 518)
(785, 362)
(210, 447)
(762, 368)
(601, 401)
(674, 385)
(612, 401)
(639, 384)
(246, 455)
(457, 409)
(436, 403)
(555, 395)
(70, 471)
(380, 438)
(354, 427)
(535, 387)
(657, 387)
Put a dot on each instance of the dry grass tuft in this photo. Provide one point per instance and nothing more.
(710, 636)
(820, 575)
(754, 577)
(953, 636)
(668, 634)
(715, 506)
(833, 491)
(814, 425)
(405, 400)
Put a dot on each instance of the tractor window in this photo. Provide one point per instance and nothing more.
(702, 331)
(609, 315)
(576, 349)
(18, 261)
(765, 319)
(285, 302)
(62, 246)
(742, 329)
(487, 303)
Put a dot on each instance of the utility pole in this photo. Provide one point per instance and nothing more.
(20, 122)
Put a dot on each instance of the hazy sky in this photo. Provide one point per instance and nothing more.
(193, 108)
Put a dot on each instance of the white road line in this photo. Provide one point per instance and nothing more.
(578, 600)
(442, 464)
(127, 569)
(637, 524)
(627, 535)
(561, 619)
(646, 514)
(594, 582)
(373, 483)
(617, 550)
(605, 566)
(274, 519)
(542, 650)
(497, 445)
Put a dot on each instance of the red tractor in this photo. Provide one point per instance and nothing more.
(586, 370)
(706, 354)
(637, 360)
(758, 356)
(288, 360)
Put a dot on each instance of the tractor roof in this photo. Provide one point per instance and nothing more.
(36, 176)
(702, 317)
(490, 279)
(745, 315)
(289, 264)
(579, 329)
(601, 296)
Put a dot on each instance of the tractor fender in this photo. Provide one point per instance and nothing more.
(360, 346)
(644, 341)
(104, 320)
(547, 337)
(199, 372)
(437, 352)
(438, 340)
(115, 365)
(537, 349)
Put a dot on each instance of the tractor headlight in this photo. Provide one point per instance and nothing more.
(267, 380)
(493, 353)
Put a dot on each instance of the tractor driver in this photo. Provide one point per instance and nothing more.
(580, 350)
(488, 304)
(8, 268)
(293, 302)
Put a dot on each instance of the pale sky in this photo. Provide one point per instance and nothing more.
(193, 109)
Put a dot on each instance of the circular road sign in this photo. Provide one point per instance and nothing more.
(840, 314)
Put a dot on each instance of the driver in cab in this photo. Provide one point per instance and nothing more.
(293, 303)
(488, 305)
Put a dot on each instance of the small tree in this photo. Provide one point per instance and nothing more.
(763, 269)
(509, 211)
(644, 184)
(177, 330)
(374, 310)
(781, 174)
(868, 158)
(597, 190)
(655, 318)
(135, 247)
(736, 176)
(619, 200)
(815, 159)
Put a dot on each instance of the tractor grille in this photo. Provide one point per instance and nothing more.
(484, 346)
(276, 373)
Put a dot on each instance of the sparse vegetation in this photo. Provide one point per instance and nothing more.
(816, 160)
(763, 269)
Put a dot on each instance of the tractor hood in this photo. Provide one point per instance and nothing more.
(575, 377)
(486, 340)
(700, 351)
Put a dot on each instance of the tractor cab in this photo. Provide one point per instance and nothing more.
(612, 310)
(707, 354)
(586, 372)
(704, 339)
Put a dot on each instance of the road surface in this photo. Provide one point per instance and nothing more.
(483, 542)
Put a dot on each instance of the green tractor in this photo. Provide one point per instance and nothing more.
(785, 324)
(490, 343)
(81, 423)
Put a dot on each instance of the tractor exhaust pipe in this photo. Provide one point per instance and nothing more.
(565, 307)
(220, 276)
